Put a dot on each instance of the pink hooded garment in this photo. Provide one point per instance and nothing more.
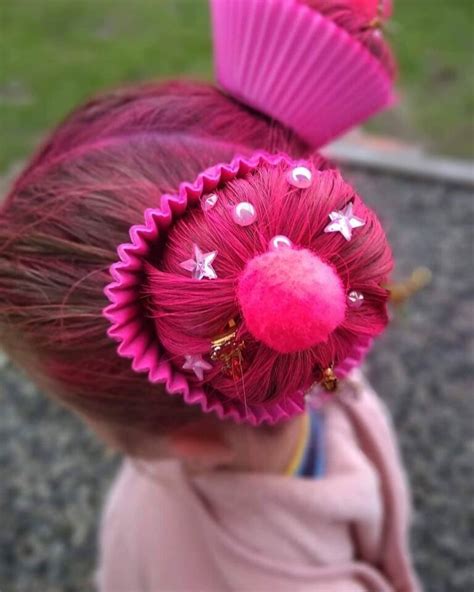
(165, 531)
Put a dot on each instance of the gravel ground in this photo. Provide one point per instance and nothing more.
(55, 474)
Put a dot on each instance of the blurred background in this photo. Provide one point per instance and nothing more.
(56, 53)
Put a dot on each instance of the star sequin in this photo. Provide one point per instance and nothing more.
(196, 363)
(201, 265)
(344, 221)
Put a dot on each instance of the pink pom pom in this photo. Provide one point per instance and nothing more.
(291, 300)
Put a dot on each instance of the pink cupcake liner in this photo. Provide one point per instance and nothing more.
(288, 61)
(134, 332)
(356, 357)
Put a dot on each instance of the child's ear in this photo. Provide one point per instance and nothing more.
(201, 444)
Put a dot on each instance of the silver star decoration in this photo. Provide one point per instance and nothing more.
(195, 363)
(201, 265)
(344, 221)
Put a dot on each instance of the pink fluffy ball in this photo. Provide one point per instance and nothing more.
(291, 300)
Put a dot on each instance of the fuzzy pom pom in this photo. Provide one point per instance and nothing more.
(291, 300)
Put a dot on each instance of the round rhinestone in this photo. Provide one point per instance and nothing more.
(355, 299)
(300, 177)
(208, 202)
(244, 214)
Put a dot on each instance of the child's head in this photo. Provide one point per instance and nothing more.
(74, 204)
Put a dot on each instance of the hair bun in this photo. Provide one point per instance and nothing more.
(291, 300)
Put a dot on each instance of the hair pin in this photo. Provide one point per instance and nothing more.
(227, 350)
(329, 380)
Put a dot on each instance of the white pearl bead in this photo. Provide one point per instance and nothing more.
(244, 214)
(300, 177)
(280, 242)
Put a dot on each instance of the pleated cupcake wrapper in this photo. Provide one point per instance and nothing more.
(135, 332)
(288, 61)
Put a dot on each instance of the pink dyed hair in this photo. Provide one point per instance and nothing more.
(188, 314)
(74, 203)
(342, 13)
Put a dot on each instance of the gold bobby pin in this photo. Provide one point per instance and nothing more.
(227, 350)
(329, 380)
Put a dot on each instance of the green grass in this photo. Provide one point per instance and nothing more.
(55, 53)
(434, 44)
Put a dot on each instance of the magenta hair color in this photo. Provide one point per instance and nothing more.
(74, 203)
(351, 16)
(188, 314)
(70, 208)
